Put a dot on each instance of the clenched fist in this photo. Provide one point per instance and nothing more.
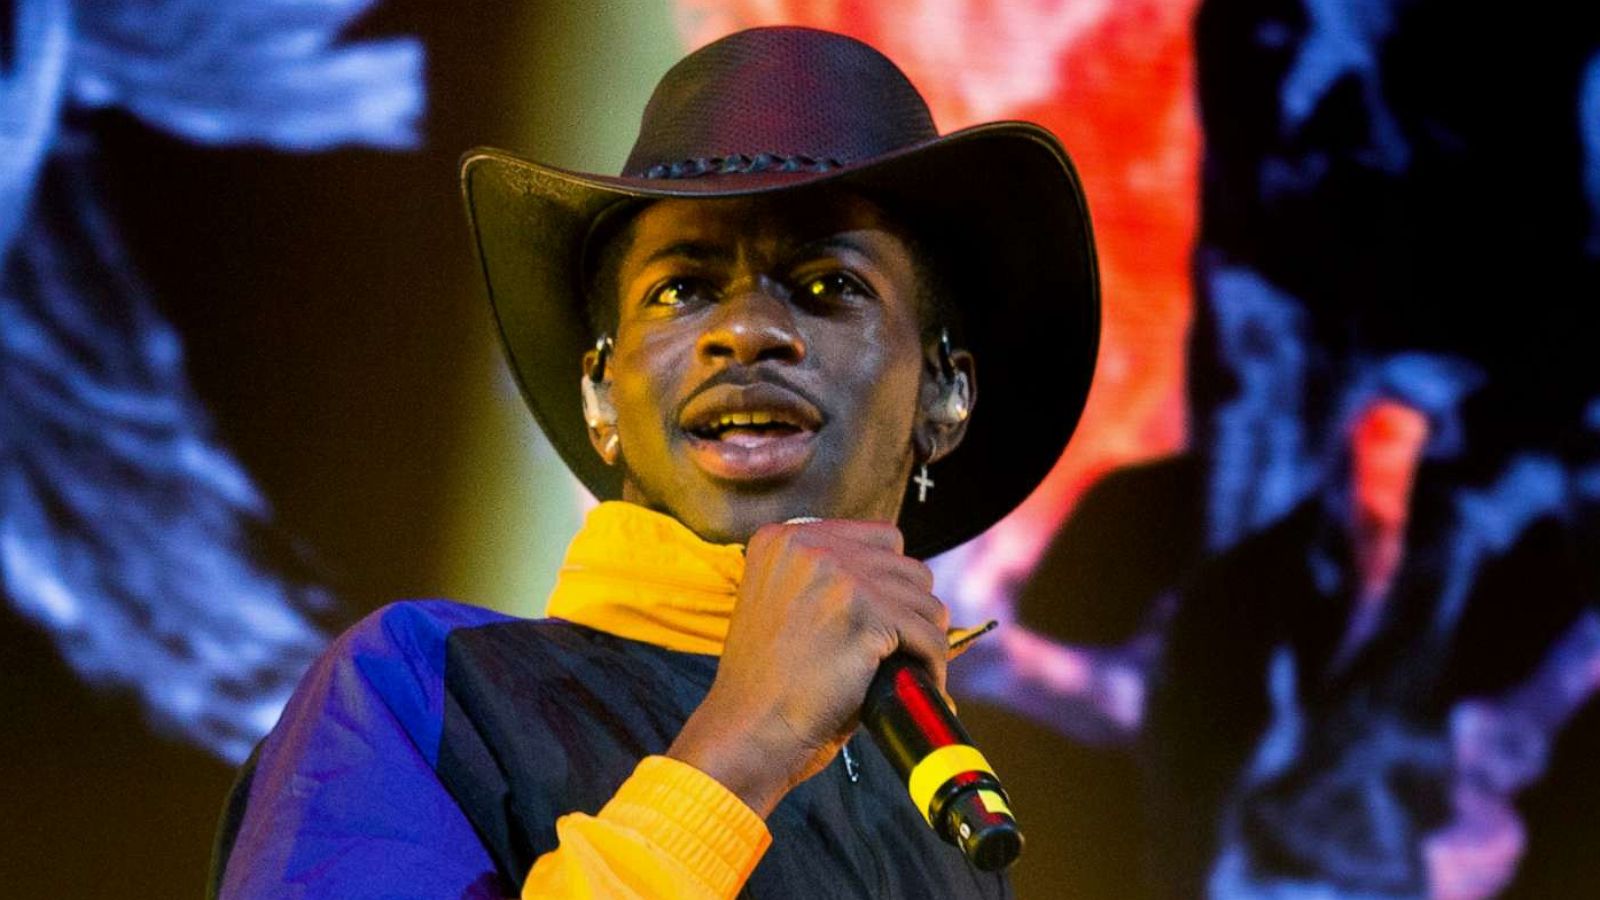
(821, 605)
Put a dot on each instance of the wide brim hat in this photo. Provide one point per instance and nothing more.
(791, 109)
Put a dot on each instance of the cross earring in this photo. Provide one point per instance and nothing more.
(921, 480)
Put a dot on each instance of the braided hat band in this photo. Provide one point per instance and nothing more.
(740, 164)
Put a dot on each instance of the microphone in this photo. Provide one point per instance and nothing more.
(950, 782)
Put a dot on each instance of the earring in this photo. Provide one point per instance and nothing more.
(921, 480)
(610, 452)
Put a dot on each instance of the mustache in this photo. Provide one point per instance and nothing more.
(742, 376)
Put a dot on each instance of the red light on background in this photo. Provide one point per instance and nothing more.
(1114, 82)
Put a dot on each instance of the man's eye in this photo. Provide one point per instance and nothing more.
(677, 292)
(833, 286)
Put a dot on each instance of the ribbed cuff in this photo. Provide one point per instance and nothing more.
(692, 818)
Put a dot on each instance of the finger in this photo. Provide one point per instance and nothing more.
(931, 610)
(914, 572)
(925, 642)
(950, 702)
(896, 598)
(766, 539)
(879, 535)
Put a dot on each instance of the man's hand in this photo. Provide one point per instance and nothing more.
(821, 605)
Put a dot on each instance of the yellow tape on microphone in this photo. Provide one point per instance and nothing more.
(943, 764)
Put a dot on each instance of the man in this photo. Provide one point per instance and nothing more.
(774, 316)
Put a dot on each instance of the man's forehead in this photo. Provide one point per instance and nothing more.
(782, 221)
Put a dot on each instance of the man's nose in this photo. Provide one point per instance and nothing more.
(751, 326)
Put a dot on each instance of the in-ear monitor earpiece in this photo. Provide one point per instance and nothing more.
(597, 411)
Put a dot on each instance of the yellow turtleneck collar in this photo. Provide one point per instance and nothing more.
(643, 575)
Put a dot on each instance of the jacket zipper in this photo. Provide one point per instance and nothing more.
(852, 773)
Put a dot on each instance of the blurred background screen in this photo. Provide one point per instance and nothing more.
(1308, 609)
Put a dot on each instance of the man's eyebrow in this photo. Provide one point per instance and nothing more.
(695, 251)
(832, 243)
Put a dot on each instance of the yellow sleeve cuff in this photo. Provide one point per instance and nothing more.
(669, 831)
(692, 818)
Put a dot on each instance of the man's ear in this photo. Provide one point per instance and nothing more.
(949, 393)
(598, 412)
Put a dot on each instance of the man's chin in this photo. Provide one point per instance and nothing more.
(718, 513)
(725, 512)
(743, 513)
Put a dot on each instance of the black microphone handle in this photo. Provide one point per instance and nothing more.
(952, 785)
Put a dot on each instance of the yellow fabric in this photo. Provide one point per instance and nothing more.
(671, 832)
(943, 764)
(642, 575)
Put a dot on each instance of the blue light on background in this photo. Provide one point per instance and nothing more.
(125, 526)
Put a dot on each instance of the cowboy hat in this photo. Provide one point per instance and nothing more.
(786, 109)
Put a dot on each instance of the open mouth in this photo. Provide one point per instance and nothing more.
(747, 429)
(747, 433)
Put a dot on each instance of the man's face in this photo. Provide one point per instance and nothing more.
(768, 361)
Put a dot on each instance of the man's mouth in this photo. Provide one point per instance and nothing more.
(747, 429)
(750, 433)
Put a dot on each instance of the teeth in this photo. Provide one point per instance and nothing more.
(733, 420)
(743, 419)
